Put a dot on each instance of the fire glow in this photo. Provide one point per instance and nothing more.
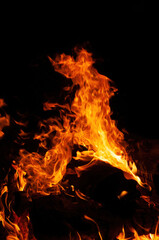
(83, 121)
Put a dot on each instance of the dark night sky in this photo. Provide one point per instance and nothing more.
(122, 38)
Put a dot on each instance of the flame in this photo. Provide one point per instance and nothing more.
(149, 236)
(2, 103)
(12, 228)
(92, 126)
(17, 228)
(92, 220)
(85, 122)
(121, 235)
(4, 119)
(122, 194)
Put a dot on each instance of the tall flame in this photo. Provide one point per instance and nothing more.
(92, 126)
(85, 122)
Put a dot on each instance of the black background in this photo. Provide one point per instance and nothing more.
(122, 37)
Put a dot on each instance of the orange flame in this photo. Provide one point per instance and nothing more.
(12, 228)
(4, 120)
(150, 236)
(92, 220)
(93, 127)
(85, 122)
(17, 228)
